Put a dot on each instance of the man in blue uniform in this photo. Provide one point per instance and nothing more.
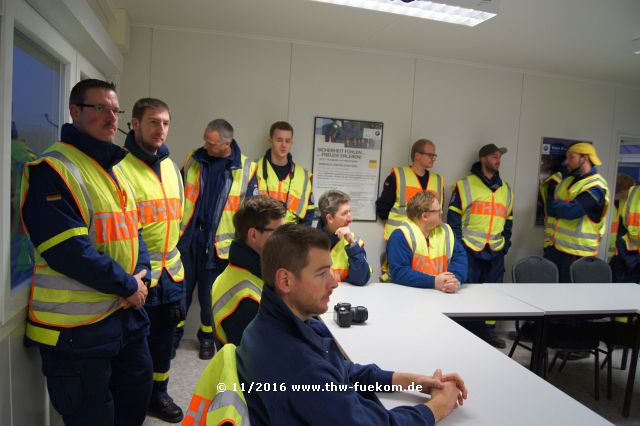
(84, 310)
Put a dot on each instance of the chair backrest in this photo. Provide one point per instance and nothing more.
(590, 270)
(218, 399)
(535, 269)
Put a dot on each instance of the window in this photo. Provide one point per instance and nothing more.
(35, 122)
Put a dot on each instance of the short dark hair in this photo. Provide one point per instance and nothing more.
(280, 125)
(288, 248)
(256, 212)
(79, 91)
(144, 104)
(420, 203)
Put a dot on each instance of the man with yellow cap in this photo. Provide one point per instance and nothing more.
(576, 200)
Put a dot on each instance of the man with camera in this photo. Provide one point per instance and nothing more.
(423, 252)
(347, 250)
(285, 344)
(236, 293)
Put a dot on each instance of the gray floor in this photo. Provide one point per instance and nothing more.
(576, 380)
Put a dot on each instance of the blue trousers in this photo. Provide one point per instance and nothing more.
(197, 275)
(100, 391)
(485, 271)
(163, 327)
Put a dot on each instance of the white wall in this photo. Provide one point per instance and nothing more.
(253, 82)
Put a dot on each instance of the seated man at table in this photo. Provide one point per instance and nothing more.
(235, 295)
(285, 346)
(423, 251)
(347, 250)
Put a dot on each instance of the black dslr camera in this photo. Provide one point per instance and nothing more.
(344, 315)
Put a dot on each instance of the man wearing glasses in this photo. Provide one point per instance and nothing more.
(423, 252)
(404, 182)
(217, 178)
(90, 270)
(481, 215)
(159, 192)
(236, 294)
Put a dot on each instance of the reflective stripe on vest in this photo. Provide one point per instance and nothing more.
(430, 256)
(581, 236)
(294, 192)
(209, 405)
(340, 258)
(159, 205)
(408, 185)
(240, 181)
(226, 232)
(231, 286)
(484, 213)
(630, 217)
(108, 209)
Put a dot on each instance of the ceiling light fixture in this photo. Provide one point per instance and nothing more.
(462, 12)
(635, 46)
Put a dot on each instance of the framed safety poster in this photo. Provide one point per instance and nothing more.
(346, 156)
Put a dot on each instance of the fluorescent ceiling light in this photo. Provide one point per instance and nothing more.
(463, 12)
(635, 46)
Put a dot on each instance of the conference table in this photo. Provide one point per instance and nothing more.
(559, 301)
(411, 330)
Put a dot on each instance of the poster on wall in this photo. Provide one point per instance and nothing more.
(552, 155)
(346, 156)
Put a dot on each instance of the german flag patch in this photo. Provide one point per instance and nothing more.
(53, 197)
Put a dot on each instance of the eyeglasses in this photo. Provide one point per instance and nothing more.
(103, 109)
(265, 229)
(430, 155)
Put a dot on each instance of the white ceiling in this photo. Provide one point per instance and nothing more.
(579, 38)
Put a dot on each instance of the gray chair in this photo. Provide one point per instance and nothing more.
(590, 270)
(535, 269)
(532, 269)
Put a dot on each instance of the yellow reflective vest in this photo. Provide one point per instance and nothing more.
(408, 185)
(231, 286)
(109, 212)
(294, 191)
(430, 256)
(159, 205)
(613, 230)
(218, 397)
(484, 213)
(630, 216)
(225, 233)
(581, 236)
(340, 259)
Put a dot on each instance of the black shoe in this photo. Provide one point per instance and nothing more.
(494, 340)
(207, 350)
(165, 409)
(573, 356)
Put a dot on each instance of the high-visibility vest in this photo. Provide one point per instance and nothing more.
(581, 236)
(225, 233)
(630, 217)
(109, 211)
(231, 286)
(430, 256)
(613, 231)
(159, 205)
(484, 213)
(218, 397)
(340, 259)
(294, 191)
(408, 185)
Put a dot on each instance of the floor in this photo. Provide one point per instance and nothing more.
(576, 380)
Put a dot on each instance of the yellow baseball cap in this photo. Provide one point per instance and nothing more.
(586, 148)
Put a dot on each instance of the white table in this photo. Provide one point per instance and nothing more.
(501, 392)
(586, 300)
